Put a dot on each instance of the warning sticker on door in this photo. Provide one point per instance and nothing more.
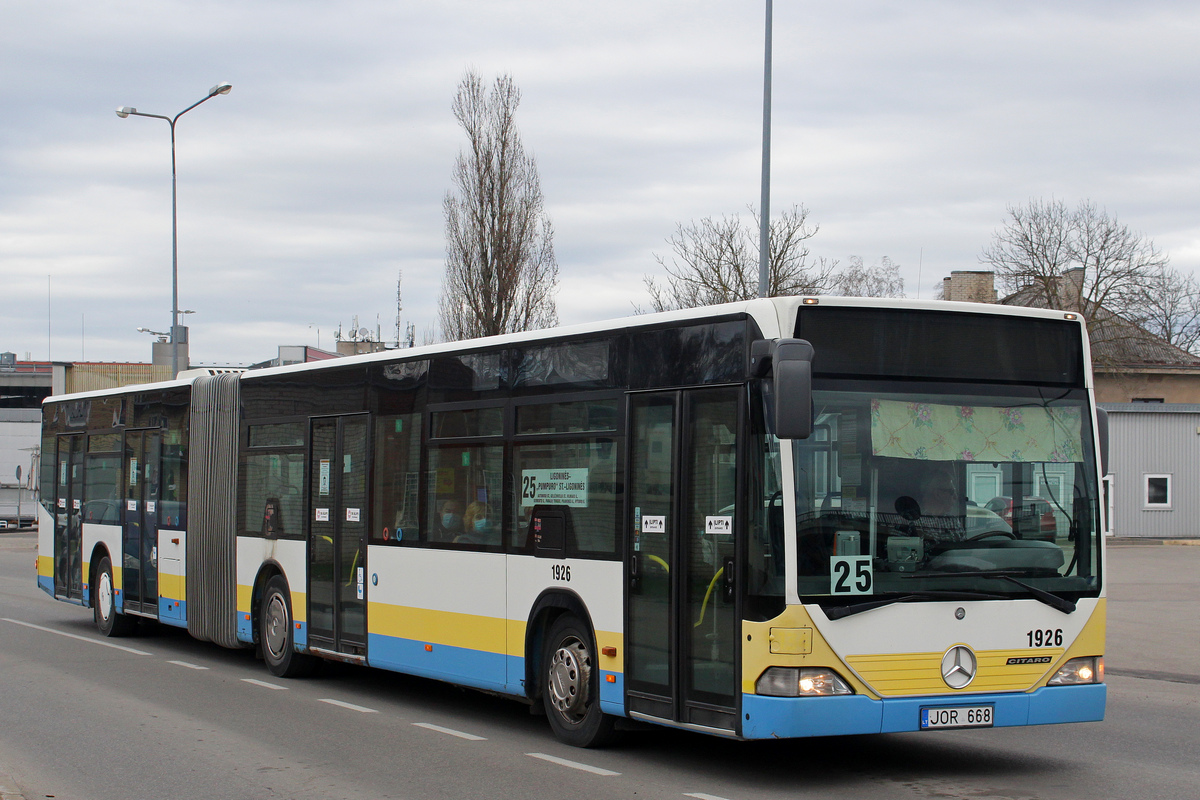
(352, 515)
(322, 514)
(718, 525)
(654, 524)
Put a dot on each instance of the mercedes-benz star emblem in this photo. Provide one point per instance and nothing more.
(958, 667)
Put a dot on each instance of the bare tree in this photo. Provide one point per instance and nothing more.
(716, 261)
(1168, 306)
(501, 273)
(880, 280)
(1081, 260)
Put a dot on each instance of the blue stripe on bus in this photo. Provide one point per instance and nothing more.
(300, 635)
(245, 628)
(170, 614)
(46, 584)
(474, 668)
(785, 717)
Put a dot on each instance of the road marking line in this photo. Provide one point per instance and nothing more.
(80, 638)
(263, 684)
(573, 764)
(350, 706)
(702, 796)
(186, 664)
(450, 731)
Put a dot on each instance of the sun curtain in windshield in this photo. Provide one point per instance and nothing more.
(915, 489)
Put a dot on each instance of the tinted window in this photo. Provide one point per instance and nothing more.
(397, 479)
(465, 501)
(582, 364)
(271, 502)
(467, 422)
(284, 434)
(467, 376)
(942, 344)
(577, 417)
(578, 478)
(687, 356)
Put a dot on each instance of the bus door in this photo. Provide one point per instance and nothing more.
(337, 540)
(682, 644)
(139, 559)
(68, 518)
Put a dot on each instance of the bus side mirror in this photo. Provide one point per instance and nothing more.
(1102, 434)
(791, 365)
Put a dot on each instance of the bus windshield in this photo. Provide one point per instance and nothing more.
(907, 491)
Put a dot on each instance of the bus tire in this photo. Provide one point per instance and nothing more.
(571, 686)
(104, 604)
(275, 628)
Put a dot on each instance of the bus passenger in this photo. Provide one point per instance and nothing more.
(477, 526)
(449, 524)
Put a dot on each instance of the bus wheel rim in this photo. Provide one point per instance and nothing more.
(570, 672)
(275, 635)
(104, 596)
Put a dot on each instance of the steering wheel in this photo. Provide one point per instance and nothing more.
(987, 534)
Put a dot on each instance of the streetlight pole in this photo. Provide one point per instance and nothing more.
(178, 332)
(764, 219)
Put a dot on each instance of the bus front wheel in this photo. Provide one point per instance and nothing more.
(275, 632)
(104, 604)
(571, 686)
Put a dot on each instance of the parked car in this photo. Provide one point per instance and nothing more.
(1034, 518)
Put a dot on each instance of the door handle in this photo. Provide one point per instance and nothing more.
(729, 579)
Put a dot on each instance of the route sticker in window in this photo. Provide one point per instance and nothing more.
(851, 575)
(654, 524)
(555, 487)
(718, 525)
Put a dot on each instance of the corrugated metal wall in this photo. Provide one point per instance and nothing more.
(1155, 443)
(90, 377)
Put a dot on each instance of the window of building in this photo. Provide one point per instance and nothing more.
(1157, 491)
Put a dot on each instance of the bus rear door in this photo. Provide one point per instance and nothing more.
(337, 542)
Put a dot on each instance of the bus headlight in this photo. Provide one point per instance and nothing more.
(801, 682)
(1089, 669)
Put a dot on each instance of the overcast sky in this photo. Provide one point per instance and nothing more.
(905, 128)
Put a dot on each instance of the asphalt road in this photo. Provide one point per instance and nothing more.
(162, 716)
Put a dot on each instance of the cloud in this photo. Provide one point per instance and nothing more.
(905, 129)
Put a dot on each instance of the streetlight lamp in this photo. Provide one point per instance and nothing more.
(178, 332)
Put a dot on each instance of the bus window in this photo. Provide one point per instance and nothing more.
(397, 479)
(464, 489)
(578, 475)
(271, 502)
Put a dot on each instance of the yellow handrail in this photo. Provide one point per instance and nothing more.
(708, 594)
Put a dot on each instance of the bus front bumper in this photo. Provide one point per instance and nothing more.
(788, 717)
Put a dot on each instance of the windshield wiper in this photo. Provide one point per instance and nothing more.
(1052, 600)
(839, 612)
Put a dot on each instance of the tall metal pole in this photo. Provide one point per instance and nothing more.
(178, 332)
(174, 259)
(764, 221)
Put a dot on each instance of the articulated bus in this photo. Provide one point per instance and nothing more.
(779, 518)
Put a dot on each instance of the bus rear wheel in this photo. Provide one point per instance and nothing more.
(104, 604)
(275, 633)
(571, 686)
